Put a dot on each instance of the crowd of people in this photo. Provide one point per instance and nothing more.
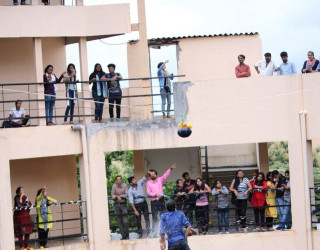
(107, 86)
(24, 226)
(269, 197)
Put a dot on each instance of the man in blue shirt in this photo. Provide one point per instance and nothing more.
(138, 202)
(286, 68)
(172, 223)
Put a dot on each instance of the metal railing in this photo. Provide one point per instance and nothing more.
(315, 207)
(68, 218)
(28, 94)
(234, 223)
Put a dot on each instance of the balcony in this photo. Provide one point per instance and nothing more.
(28, 21)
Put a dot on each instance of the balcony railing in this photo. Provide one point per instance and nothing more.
(69, 223)
(28, 94)
(235, 225)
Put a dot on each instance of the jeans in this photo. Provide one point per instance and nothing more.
(43, 237)
(179, 245)
(241, 211)
(117, 100)
(165, 97)
(190, 207)
(99, 102)
(280, 209)
(202, 216)
(49, 104)
(223, 213)
(285, 219)
(121, 213)
(11, 124)
(259, 216)
(70, 107)
(157, 208)
(142, 208)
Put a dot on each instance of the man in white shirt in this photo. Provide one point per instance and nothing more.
(17, 117)
(266, 67)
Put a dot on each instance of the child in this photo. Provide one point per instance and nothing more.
(221, 192)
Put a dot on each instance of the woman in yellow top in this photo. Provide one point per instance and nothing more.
(44, 215)
(271, 210)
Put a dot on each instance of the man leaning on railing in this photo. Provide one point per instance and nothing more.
(119, 194)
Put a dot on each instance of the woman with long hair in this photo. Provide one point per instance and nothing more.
(258, 200)
(311, 64)
(44, 215)
(180, 196)
(50, 89)
(201, 191)
(22, 220)
(221, 194)
(70, 78)
(99, 90)
(271, 210)
(241, 186)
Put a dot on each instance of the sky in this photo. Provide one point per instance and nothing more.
(283, 25)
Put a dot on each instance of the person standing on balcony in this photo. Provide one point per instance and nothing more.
(17, 117)
(258, 200)
(188, 184)
(138, 202)
(119, 194)
(155, 191)
(22, 220)
(44, 215)
(285, 220)
(242, 70)
(115, 92)
(50, 89)
(221, 194)
(99, 90)
(172, 224)
(266, 67)
(241, 187)
(286, 67)
(165, 87)
(311, 64)
(271, 210)
(279, 182)
(70, 78)
(201, 191)
(181, 197)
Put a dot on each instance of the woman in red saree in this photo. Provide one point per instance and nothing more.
(22, 220)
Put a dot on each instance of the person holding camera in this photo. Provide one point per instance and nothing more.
(165, 87)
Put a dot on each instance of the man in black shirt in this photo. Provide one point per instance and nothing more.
(279, 180)
(190, 205)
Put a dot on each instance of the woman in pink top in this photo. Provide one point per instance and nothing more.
(202, 205)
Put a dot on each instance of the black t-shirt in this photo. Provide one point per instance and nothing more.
(192, 197)
(180, 199)
(280, 193)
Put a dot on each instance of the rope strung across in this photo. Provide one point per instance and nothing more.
(52, 205)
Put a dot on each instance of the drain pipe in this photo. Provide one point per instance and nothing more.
(303, 115)
(82, 129)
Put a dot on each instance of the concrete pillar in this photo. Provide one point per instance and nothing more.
(139, 66)
(6, 225)
(300, 202)
(38, 63)
(138, 162)
(99, 195)
(84, 77)
(263, 157)
(83, 188)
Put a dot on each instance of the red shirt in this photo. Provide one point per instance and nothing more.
(242, 71)
(258, 197)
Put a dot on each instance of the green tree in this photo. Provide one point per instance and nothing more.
(278, 156)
